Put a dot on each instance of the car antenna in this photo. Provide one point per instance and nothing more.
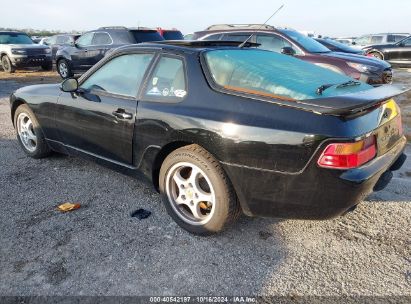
(243, 43)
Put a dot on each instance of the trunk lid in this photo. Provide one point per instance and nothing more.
(353, 103)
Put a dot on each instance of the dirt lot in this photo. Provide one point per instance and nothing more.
(101, 250)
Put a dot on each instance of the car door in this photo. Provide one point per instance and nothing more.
(99, 118)
(404, 51)
(99, 46)
(60, 41)
(51, 42)
(275, 43)
(80, 55)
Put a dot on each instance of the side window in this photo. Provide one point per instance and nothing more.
(85, 40)
(363, 40)
(63, 40)
(101, 39)
(168, 81)
(122, 75)
(376, 39)
(398, 38)
(210, 38)
(274, 43)
(51, 40)
(231, 37)
(407, 42)
(390, 38)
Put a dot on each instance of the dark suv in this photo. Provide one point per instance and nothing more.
(291, 42)
(91, 47)
(173, 34)
(61, 40)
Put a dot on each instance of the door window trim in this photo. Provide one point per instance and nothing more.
(262, 32)
(91, 45)
(94, 33)
(144, 97)
(101, 63)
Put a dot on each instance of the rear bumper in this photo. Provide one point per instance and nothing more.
(315, 193)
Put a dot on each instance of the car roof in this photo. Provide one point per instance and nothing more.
(123, 28)
(12, 32)
(186, 45)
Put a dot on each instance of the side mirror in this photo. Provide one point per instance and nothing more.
(401, 44)
(69, 85)
(353, 43)
(287, 50)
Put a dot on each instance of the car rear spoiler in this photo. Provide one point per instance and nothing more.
(352, 103)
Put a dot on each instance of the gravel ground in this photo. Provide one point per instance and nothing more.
(100, 249)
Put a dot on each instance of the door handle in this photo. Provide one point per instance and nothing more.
(120, 113)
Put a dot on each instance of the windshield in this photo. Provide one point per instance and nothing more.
(309, 44)
(173, 35)
(146, 36)
(274, 75)
(15, 39)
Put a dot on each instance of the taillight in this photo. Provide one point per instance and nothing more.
(348, 155)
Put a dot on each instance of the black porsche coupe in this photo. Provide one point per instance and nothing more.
(220, 130)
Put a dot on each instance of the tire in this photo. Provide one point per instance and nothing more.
(47, 67)
(6, 64)
(219, 208)
(64, 69)
(377, 55)
(30, 137)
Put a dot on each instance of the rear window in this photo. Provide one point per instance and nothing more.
(146, 36)
(273, 75)
(173, 35)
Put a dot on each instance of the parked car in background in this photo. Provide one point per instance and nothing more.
(291, 42)
(397, 53)
(61, 40)
(189, 36)
(36, 39)
(17, 50)
(220, 130)
(385, 38)
(173, 34)
(336, 46)
(345, 40)
(92, 46)
(43, 40)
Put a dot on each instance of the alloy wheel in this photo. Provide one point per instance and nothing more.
(5, 64)
(26, 133)
(63, 69)
(190, 193)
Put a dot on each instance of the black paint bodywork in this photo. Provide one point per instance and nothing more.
(269, 148)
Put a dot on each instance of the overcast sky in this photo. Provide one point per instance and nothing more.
(327, 17)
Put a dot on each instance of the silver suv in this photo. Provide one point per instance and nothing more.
(17, 50)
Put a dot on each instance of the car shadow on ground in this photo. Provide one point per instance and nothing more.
(101, 249)
(11, 82)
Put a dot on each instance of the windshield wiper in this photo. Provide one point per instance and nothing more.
(349, 83)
